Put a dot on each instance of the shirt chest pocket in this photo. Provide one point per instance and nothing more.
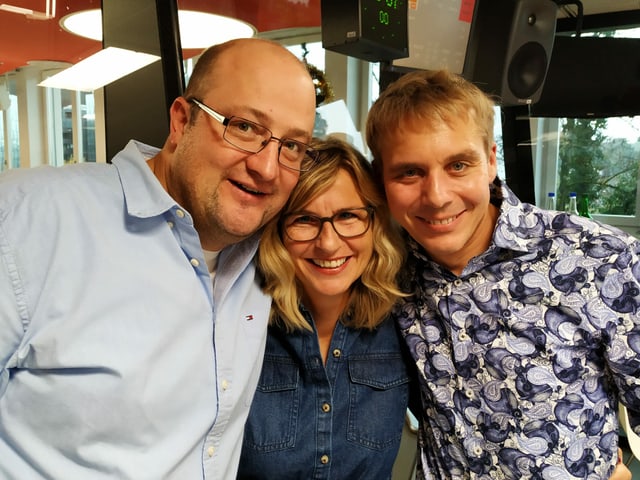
(274, 411)
(378, 396)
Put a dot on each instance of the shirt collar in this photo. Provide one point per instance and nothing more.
(519, 227)
(144, 195)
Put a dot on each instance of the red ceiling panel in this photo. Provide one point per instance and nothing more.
(24, 39)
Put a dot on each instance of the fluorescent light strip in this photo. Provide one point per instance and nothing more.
(99, 69)
(14, 9)
(49, 12)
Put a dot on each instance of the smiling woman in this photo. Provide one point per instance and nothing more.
(330, 263)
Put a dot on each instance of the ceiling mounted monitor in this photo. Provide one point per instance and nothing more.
(370, 30)
(591, 77)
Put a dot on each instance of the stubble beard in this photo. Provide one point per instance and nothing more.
(221, 228)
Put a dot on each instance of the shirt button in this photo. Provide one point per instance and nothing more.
(225, 384)
(210, 451)
(469, 393)
(477, 450)
(179, 214)
(326, 407)
(170, 224)
(457, 282)
(324, 459)
(195, 262)
(462, 336)
(336, 353)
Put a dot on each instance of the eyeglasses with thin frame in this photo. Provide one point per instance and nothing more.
(251, 137)
(303, 227)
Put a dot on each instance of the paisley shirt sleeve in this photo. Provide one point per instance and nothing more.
(524, 356)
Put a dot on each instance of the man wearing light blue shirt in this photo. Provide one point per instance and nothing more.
(119, 357)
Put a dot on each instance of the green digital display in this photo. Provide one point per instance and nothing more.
(385, 21)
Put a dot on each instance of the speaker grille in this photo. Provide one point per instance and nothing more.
(527, 70)
(510, 47)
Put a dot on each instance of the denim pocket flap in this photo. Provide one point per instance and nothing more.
(278, 373)
(378, 371)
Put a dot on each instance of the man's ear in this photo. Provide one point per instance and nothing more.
(493, 163)
(179, 115)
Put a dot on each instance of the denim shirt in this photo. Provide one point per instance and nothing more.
(342, 420)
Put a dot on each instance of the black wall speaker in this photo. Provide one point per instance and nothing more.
(591, 77)
(371, 30)
(509, 48)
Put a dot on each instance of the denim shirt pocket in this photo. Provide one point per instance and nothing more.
(378, 397)
(274, 411)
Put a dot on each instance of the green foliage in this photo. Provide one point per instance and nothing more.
(606, 170)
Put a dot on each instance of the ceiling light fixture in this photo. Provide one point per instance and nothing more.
(49, 10)
(197, 29)
(99, 69)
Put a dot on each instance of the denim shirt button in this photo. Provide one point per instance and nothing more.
(326, 407)
(336, 353)
(324, 459)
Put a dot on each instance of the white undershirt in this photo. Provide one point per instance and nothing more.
(212, 261)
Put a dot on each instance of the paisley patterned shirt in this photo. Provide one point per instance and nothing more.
(523, 357)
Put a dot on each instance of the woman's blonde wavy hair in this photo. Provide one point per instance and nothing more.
(375, 292)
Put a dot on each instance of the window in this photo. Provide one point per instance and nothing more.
(78, 127)
(9, 134)
(597, 158)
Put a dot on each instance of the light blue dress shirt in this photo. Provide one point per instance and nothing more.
(118, 359)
